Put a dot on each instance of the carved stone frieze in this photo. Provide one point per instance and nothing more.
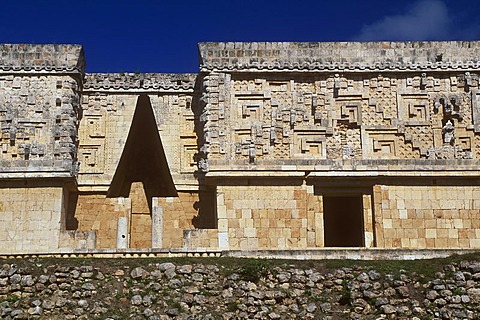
(39, 121)
(337, 116)
(138, 81)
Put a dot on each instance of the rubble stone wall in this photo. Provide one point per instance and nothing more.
(237, 289)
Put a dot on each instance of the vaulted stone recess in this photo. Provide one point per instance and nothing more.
(143, 158)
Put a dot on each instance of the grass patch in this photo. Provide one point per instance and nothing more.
(232, 306)
(426, 267)
(254, 269)
(11, 298)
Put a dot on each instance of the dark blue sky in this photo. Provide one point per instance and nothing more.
(162, 36)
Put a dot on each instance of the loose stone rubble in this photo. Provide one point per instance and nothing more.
(254, 289)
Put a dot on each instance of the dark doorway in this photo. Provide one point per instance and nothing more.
(343, 221)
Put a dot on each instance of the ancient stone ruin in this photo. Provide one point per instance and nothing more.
(271, 146)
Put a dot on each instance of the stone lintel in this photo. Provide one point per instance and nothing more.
(421, 166)
(413, 174)
(23, 175)
(104, 188)
(255, 174)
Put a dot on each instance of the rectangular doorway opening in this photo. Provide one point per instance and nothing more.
(343, 221)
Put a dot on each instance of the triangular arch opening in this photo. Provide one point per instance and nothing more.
(143, 158)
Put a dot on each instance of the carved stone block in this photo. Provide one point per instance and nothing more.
(309, 145)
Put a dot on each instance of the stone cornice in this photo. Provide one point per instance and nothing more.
(42, 58)
(138, 81)
(339, 56)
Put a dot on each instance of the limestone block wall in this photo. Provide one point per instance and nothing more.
(427, 216)
(180, 213)
(74, 239)
(248, 153)
(31, 216)
(268, 215)
(40, 89)
(200, 239)
(97, 213)
(368, 221)
(360, 111)
(141, 230)
(140, 220)
(109, 102)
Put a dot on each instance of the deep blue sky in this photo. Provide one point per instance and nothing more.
(162, 36)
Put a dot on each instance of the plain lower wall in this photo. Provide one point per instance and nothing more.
(427, 216)
(269, 215)
(96, 212)
(31, 216)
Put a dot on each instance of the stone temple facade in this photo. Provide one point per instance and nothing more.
(271, 146)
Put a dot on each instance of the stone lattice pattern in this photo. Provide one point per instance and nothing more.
(39, 123)
(273, 117)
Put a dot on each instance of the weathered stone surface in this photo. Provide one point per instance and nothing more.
(138, 272)
(373, 56)
(259, 151)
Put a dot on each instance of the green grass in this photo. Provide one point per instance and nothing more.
(232, 306)
(426, 267)
(11, 298)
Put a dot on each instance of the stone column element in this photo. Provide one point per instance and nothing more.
(91, 239)
(368, 220)
(122, 233)
(223, 242)
(157, 224)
